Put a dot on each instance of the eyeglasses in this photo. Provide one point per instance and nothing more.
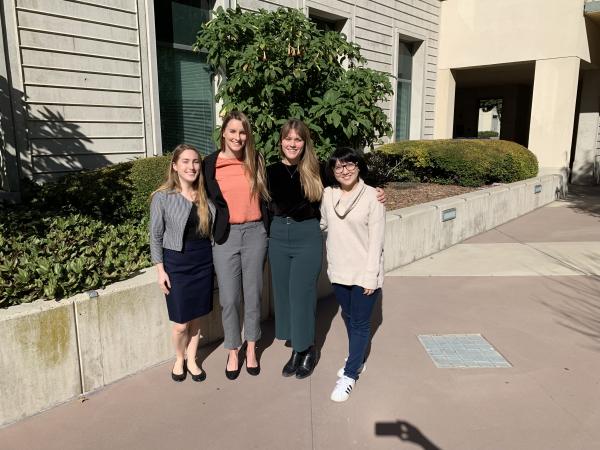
(349, 166)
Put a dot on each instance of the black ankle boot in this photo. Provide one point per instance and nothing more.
(290, 367)
(307, 363)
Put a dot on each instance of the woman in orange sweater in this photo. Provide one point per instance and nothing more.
(236, 184)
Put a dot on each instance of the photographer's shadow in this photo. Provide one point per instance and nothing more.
(405, 431)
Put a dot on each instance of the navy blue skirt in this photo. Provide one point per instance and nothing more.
(191, 274)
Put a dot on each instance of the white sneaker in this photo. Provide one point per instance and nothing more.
(343, 389)
(361, 369)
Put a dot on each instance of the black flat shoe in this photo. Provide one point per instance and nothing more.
(254, 371)
(292, 365)
(200, 377)
(307, 363)
(180, 377)
(232, 374)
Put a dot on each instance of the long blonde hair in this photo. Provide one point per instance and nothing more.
(308, 167)
(172, 183)
(254, 163)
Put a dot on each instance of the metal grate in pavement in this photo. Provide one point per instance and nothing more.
(450, 351)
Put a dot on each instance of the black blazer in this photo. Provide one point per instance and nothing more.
(221, 224)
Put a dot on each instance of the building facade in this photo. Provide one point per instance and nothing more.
(88, 83)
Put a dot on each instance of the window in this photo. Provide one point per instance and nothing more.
(403, 90)
(184, 78)
(327, 21)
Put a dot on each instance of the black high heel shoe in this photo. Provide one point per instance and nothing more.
(233, 374)
(254, 371)
(181, 376)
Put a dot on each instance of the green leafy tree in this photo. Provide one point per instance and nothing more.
(277, 64)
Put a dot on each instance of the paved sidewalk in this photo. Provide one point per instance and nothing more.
(530, 287)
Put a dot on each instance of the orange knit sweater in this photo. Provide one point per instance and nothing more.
(235, 187)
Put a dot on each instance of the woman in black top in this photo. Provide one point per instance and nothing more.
(295, 244)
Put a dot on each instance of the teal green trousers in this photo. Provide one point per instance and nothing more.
(295, 254)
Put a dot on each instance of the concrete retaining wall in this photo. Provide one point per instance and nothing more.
(52, 352)
(418, 231)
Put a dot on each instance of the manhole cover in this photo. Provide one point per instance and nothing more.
(461, 351)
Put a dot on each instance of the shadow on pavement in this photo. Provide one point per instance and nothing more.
(327, 309)
(267, 336)
(204, 352)
(376, 321)
(406, 432)
(585, 199)
(579, 309)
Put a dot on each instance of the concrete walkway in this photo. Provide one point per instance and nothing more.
(530, 287)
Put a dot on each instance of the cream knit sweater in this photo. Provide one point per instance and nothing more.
(355, 224)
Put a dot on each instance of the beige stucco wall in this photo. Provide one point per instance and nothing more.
(553, 111)
(587, 150)
(485, 32)
(444, 107)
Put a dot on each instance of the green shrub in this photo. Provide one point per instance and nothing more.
(146, 175)
(467, 162)
(113, 194)
(79, 233)
(55, 257)
(487, 134)
(385, 167)
(104, 193)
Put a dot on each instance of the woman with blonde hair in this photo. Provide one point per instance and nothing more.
(295, 245)
(236, 183)
(180, 232)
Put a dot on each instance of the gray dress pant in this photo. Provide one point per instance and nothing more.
(239, 264)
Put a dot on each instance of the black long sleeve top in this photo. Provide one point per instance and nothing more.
(287, 195)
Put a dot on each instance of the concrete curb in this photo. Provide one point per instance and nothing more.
(55, 351)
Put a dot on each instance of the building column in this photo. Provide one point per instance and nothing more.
(586, 150)
(445, 88)
(553, 112)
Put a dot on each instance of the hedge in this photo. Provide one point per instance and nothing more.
(466, 162)
(487, 134)
(79, 233)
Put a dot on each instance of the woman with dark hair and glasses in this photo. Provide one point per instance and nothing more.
(355, 224)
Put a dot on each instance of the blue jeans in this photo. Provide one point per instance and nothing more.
(356, 312)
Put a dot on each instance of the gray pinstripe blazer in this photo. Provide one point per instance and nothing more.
(169, 213)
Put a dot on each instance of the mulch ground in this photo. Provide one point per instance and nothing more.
(401, 195)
